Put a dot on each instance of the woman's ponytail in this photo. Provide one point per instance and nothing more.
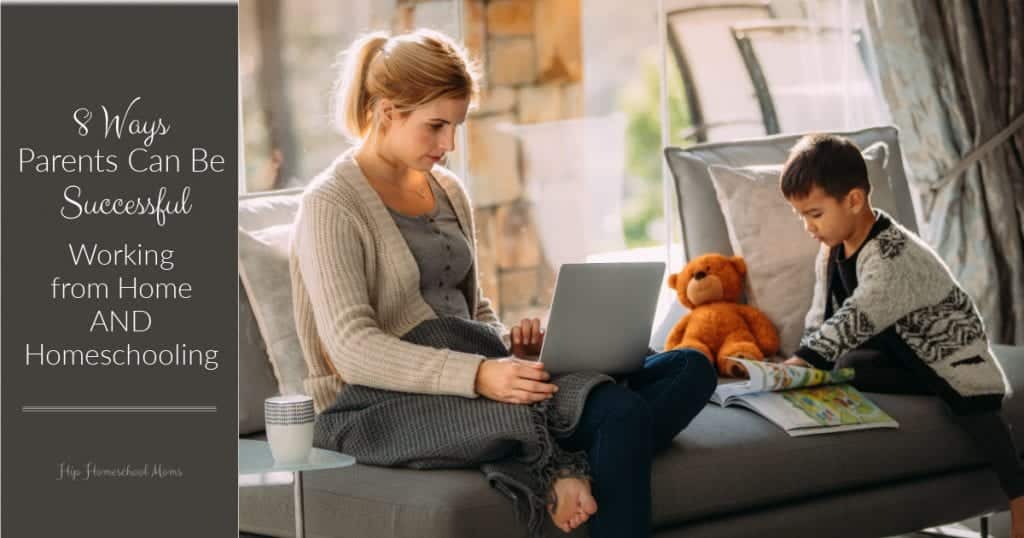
(353, 106)
(409, 69)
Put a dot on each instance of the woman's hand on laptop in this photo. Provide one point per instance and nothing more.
(527, 338)
(511, 380)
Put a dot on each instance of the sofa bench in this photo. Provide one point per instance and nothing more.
(730, 473)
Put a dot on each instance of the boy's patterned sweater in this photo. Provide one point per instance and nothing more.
(902, 283)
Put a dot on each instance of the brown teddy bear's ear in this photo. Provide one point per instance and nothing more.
(740, 264)
(672, 280)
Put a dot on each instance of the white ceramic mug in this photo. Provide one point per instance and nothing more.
(289, 423)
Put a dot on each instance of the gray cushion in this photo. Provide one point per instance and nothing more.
(256, 380)
(731, 459)
(899, 508)
(704, 228)
(880, 511)
(778, 251)
(255, 377)
(379, 502)
(726, 461)
(264, 230)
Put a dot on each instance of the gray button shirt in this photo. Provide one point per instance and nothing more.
(442, 253)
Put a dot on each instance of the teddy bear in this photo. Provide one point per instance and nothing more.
(718, 325)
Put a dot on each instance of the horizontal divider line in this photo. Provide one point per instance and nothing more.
(118, 408)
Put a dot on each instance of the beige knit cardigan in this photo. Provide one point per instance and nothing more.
(355, 290)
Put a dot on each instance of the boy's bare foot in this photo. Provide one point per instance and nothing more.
(573, 503)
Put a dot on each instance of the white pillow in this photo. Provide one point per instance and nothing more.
(264, 233)
(771, 238)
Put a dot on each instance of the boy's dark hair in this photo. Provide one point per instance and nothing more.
(831, 162)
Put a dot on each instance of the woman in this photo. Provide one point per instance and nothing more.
(384, 242)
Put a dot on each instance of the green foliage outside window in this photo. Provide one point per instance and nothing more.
(641, 102)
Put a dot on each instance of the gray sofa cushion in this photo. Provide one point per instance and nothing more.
(256, 380)
(727, 461)
(732, 459)
(255, 377)
(384, 503)
(898, 508)
(778, 250)
(703, 225)
(264, 229)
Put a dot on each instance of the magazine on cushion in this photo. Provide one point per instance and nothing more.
(802, 401)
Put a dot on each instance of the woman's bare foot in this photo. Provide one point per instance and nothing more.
(574, 503)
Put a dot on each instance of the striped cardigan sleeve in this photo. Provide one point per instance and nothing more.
(331, 260)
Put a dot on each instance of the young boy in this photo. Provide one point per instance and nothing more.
(886, 305)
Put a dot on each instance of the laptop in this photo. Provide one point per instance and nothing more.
(601, 317)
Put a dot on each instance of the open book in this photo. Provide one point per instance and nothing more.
(802, 401)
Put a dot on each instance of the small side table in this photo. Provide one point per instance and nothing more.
(254, 457)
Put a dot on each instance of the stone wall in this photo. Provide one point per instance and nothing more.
(531, 54)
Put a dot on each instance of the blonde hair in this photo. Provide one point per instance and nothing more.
(410, 70)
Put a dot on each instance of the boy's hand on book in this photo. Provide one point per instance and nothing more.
(736, 369)
(797, 361)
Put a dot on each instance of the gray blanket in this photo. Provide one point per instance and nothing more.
(513, 445)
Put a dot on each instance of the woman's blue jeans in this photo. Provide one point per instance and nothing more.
(622, 427)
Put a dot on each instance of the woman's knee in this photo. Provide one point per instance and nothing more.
(620, 407)
(702, 370)
(693, 365)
